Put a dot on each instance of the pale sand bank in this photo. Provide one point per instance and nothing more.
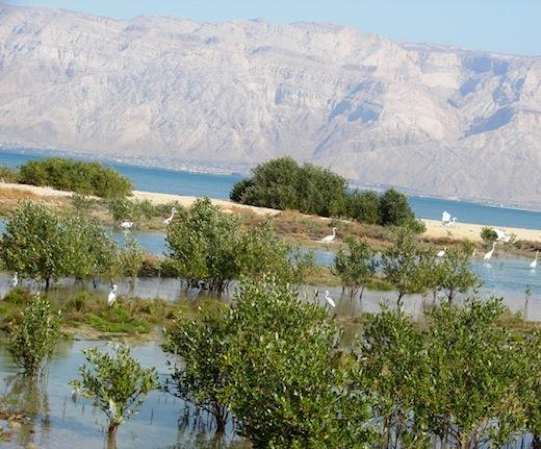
(434, 229)
(470, 231)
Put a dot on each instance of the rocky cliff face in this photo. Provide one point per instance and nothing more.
(435, 119)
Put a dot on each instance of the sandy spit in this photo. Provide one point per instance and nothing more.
(434, 229)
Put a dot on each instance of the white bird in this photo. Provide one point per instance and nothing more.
(170, 219)
(329, 238)
(126, 225)
(488, 255)
(111, 298)
(502, 236)
(75, 394)
(533, 264)
(441, 253)
(14, 281)
(447, 220)
(329, 300)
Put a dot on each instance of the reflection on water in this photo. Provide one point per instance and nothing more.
(58, 422)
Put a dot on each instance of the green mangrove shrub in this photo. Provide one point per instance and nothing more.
(89, 178)
(209, 245)
(356, 266)
(34, 338)
(117, 384)
(283, 184)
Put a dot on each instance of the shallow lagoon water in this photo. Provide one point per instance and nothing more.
(60, 423)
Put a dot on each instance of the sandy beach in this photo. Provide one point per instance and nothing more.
(434, 228)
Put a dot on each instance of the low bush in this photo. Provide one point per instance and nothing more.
(284, 184)
(89, 178)
(8, 174)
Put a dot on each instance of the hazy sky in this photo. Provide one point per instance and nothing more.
(510, 26)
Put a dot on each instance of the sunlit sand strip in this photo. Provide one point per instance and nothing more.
(434, 228)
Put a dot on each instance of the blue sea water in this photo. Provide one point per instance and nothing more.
(218, 186)
(506, 275)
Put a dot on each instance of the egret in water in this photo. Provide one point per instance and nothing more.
(14, 281)
(126, 225)
(170, 219)
(329, 238)
(447, 220)
(488, 255)
(441, 253)
(194, 290)
(533, 264)
(502, 235)
(329, 300)
(111, 298)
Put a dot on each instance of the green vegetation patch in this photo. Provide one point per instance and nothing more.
(284, 184)
(89, 178)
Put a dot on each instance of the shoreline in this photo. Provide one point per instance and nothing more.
(434, 228)
(195, 169)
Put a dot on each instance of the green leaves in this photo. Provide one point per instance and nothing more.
(117, 385)
(404, 265)
(284, 184)
(355, 267)
(271, 359)
(39, 245)
(456, 378)
(35, 337)
(34, 243)
(89, 178)
(209, 245)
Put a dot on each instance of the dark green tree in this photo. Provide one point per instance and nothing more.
(394, 209)
(35, 244)
(363, 206)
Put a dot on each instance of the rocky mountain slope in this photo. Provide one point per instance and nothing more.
(434, 119)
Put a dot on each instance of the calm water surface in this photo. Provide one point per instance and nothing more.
(505, 276)
(58, 422)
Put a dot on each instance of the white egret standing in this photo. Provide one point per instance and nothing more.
(111, 298)
(126, 225)
(533, 264)
(170, 219)
(14, 281)
(441, 253)
(488, 255)
(329, 238)
(502, 236)
(447, 220)
(329, 300)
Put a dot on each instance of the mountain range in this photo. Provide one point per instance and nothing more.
(172, 92)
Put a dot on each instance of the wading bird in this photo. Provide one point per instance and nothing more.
(488, 255)
(447, 220)
(533, 264)
(502, 235)
(111, 298)
(14, 281)
(329, 300)
(329, 238)
(126, 225)
(170, 219)
(441, 253)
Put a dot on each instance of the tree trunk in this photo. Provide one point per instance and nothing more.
(536, 442)
(399, 302)
(111, 435)
(47, 284)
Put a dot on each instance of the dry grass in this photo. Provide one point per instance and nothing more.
(11, 194)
